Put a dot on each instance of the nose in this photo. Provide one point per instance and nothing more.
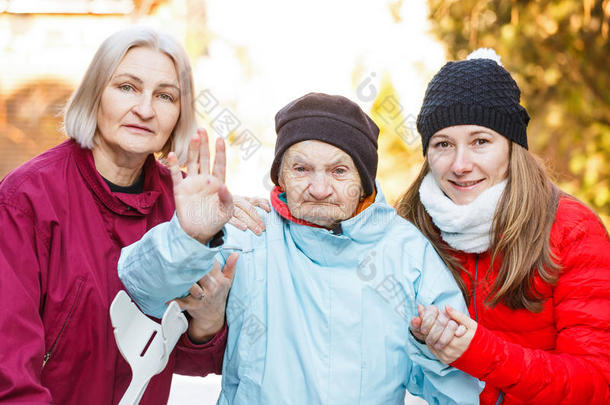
(462, 162)
(319, 187)
(144, 108)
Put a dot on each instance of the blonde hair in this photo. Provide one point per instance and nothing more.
(80, 116)
(519, 237)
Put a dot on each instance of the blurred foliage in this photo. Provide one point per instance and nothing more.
(559, 54)
(400, 156)
(30, 120)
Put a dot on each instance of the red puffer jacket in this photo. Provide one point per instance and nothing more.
(560, 355)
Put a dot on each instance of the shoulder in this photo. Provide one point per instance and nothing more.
(406, 233)
(574, 221)
(581, 245)
(34, 178)
(405, 241)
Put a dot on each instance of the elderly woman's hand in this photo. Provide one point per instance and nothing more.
(245, 215)
(446, 333)
(207, 301)
(203, 202)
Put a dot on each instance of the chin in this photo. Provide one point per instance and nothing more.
(464, 200)
(324, 221)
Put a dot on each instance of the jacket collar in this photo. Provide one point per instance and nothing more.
(119, 203)
(332, 246)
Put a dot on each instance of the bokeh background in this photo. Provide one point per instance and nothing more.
(251, 57)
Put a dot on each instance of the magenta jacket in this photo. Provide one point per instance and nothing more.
(61, 235)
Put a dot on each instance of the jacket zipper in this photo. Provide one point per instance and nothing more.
(476, 316)
(476, 273)
(47, 355)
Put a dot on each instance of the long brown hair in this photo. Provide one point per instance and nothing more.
(519, 236)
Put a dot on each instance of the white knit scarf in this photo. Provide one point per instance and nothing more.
(463, 227)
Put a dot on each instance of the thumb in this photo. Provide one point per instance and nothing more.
(459, 317)
(225, 196)
(229, 269)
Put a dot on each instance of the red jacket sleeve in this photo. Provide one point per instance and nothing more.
(201, 360)
(21, 328)
(578, 370)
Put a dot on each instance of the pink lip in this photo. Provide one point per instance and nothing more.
(138, 127)
(465, 185)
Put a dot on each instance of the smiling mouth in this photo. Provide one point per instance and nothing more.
(465, 183)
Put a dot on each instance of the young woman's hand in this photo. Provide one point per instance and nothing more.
(446, 333)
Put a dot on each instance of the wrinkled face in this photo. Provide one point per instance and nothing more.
(321, 182)
(140, 105)
(466, 160)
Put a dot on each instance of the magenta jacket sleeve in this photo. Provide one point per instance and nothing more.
(578, 370)
(21, 327)
(201, 360)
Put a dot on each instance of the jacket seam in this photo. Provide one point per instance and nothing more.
(44, 237)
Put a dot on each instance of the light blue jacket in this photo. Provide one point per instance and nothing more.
(314, 317)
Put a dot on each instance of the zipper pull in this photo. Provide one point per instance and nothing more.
(46, 357)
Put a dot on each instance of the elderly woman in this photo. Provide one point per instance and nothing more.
(532, 261)
(319, 311)
(67, 213)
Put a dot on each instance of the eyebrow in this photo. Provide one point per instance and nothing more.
(139, 81)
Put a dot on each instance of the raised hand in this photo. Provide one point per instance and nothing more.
(203, 202)
(207, 301)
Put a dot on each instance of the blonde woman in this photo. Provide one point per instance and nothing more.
(67, 213)
(533, 262)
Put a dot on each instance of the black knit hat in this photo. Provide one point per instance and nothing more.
(477, 91)
(334, 120)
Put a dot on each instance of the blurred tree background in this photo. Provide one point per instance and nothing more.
(559, 54)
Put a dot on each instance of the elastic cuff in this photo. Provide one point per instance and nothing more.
(187, 343)
(481, 356)
(217, 239)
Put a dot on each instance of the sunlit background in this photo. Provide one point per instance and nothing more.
(251, 57)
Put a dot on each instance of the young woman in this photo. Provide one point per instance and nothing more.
(532, 261)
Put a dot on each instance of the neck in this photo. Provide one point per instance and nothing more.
(117, 168)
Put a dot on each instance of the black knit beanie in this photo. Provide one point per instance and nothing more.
(334, 120)
(476, 91)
